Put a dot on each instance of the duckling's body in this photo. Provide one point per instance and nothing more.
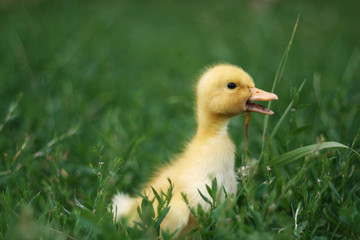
(222, 92)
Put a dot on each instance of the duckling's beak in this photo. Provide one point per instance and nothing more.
(259, 95)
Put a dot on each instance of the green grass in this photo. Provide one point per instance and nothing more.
(96, 94)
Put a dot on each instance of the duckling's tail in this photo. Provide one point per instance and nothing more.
(124, 206)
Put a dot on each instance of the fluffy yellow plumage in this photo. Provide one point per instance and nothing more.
(223, 91)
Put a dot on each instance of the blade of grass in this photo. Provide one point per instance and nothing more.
(11, 112)
(204, 197)
(33, 199)
(161, 218)
(47, 148)
(278, 76)
(294, 155)
(287, 110)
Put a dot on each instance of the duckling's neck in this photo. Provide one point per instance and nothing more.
(211, 125)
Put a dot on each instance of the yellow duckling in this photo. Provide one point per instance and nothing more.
(223, 91)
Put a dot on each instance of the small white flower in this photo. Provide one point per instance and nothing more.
(243, 171)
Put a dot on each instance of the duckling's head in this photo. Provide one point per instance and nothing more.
(226, 90)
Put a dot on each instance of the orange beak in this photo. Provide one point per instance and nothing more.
(259, 95)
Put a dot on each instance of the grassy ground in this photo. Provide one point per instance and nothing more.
(89, 82)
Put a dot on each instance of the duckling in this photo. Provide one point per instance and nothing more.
(222, 92)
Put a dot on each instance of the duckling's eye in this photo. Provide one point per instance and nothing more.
(231, 85)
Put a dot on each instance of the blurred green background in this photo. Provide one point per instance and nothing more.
(122, 72)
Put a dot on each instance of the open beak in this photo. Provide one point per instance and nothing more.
(259, 95)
